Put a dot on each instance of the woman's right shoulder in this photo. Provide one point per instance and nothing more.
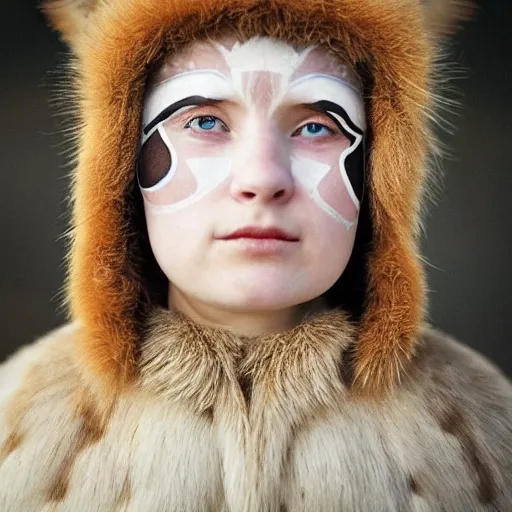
(35, 371)
(40, 400)
(50, 348)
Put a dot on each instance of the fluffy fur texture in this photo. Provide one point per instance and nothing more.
(116, 42)
(292, 437)
(443, 16)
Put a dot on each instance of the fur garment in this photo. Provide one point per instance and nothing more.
(220, 423)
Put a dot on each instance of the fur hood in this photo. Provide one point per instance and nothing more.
(114, 283)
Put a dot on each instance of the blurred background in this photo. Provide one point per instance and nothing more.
(467, 249)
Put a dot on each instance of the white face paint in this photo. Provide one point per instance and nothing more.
(228, 125)
(237, 78)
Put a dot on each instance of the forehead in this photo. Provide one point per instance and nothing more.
(227, 55)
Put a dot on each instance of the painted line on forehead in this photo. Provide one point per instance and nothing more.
(310, 76)
(209, 173)
(318, 88)
(263, 54)
(205, 83)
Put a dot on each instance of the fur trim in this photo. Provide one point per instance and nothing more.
(444, 16)
(70, 17)
(107, 286)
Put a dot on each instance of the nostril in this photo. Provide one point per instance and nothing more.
(248, 195)
(278, 194)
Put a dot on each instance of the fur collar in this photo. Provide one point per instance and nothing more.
(187, 362)
(257, 393)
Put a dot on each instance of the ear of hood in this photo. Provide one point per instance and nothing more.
(70, 17)
(444, 16)
(111, 279)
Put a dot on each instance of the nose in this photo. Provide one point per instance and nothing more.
(262, 172)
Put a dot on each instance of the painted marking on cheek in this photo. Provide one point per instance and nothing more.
(209, 173)
(182, 186)
(157, 167)
(346, 179)
(345, 154)
(310, 173)
(333, 190)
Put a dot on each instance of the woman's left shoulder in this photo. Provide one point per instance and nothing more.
(470, 397)
(448, 365)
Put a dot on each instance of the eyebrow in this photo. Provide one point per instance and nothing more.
(174, 107)
(326, 107)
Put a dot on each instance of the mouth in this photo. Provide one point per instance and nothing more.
(258, 233)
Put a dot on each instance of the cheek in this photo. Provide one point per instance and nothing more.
(192, 173)
(176, 238)
(333, 190)
(334, 244)
(319, 173)
(330, 245)
(181, 186)
(162, 238)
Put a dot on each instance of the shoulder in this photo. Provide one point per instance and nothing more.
(37, 388)
(53, 349)
(445, 364)
(471, 401)
(34, 373)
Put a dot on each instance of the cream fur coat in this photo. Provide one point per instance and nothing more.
(219, 423)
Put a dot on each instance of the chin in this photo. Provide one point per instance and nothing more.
(261, 299)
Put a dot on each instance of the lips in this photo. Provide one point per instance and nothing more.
(270, 233)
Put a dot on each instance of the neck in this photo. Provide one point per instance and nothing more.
(243, 323)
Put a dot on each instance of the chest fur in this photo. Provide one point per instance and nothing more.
(160, 456)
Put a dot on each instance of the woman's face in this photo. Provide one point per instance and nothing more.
(251, 171)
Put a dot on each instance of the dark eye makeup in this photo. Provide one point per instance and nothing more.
(171, 109)
(355, 162)
(154, 161)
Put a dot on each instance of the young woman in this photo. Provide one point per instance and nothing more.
(247, 302)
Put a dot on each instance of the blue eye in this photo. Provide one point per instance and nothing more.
(206, 123)
(314, 130)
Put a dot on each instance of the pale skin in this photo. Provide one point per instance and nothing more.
(241, 135)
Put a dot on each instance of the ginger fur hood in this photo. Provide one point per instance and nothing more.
(362, 407)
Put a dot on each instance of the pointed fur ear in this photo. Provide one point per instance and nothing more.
(69, 17)
(444, 16)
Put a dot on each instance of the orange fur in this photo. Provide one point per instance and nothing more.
(393, 40)
(444, 16)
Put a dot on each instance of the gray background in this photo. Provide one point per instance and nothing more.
(468, 243)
